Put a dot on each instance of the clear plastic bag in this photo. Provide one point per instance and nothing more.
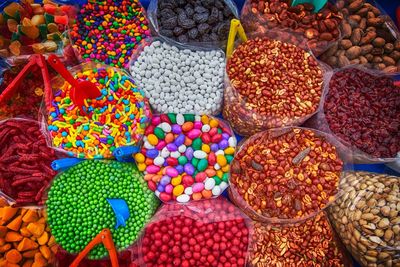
(94, 195)
(201, 89)
(366, 217)
(115, 119)
(268, 92)
(186, 157)
(320, 29)
(25, 171)
(309, 243)
(153, 16)
(203, 233)
(366, 124)
(26, 237)
(285, 175)
(42, 29)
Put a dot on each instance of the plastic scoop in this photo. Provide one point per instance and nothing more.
(121, 211)
(318, 4)
(80, 89)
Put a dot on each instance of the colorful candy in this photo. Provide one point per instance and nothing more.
(108, 31)
(186, 157)
(117, 118)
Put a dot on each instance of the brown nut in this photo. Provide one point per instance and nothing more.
(353, 52)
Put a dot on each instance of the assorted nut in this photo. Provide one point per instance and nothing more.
(318, 29)
(285, 174)
(362, 109)
(366, 217)
(310, 243)
(369, 38)
(271, 84)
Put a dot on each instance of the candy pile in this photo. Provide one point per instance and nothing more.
(181, 80)
(202, 233)
(195, 21)
(115, 119)
(25, 161)
(186, 156)
(25, 237)
(363, 110)
(108, 31)
(286, 174)
(27, 27)
(272, 84)
(78, 210)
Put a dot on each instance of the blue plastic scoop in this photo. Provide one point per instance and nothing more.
(318, 4)
(121, 211)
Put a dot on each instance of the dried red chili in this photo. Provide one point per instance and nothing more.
(363, 110)
(285, 175)
(271, 84)
(310, 243)
(24, 161)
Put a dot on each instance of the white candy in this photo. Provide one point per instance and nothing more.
(209, 183)
(165, 127)
(216, 191)
(199, 154)
(183, 198)
(223, 185)
(159, 161)
(219, 152)
(189, 191)
(180, 120)
(181, 81)
(205, 128)
(182, 148)
(232, 141)
(217, 167)
(175, 154)
(157, 193)
(165, 152)
(147, 145)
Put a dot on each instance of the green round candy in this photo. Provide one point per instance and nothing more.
(159, 133)
(202, 165)
(196, 144)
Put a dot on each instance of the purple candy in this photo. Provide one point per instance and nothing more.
(214, 147)
(176, 129)
(189, 153)
(223, 144)
(180, 140)
(152, 153)
(172, 147)
(161, 144)
(225, 136)
(189, 169)
(179, 168)
(165, 180)
(197, 125)
(160, 188)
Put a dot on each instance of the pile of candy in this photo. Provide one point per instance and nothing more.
(186, 157)
(117, 118)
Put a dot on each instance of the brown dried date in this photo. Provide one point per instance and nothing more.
(285, 176)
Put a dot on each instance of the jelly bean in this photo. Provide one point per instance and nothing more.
(169, 188)
(178, 190)
(172, 172)
(183, 198)
(159, 161)
(200, 177)
(198, 187)
(221, 160)
(199, 154)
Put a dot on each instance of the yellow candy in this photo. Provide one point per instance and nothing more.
(229, 151)
(205, 148)
(226, 168)
(176, 181)
(139, 157)
(221, 160)
(153, 140)
(220, 173)
(141, 167)
(213, 123)
(205, 119)
(178, 190)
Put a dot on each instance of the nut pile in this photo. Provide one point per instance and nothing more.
(195, 20)
(367, 218)
(368, 39)
(363, 110)
(285, 174)
(25, 237)
(272, 84)
(311, 243)
(319, 29)
(203, 233)
(181, 80)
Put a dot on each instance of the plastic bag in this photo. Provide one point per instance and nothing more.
(175, 81)
(203, 233)
(366, 125)
(28, 28)
(280, 92)
(285, 175)
(26, 238)
(208, 13)
(25, 160)
(366, 217)
(94, 195)
(369, 38)
(109, 31)
(309, 243)
(186, 157)
(320, 29)
(115, 119)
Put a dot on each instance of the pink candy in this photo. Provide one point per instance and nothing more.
(152, 169)
(198, 187)
(171, 172)
(194, 133)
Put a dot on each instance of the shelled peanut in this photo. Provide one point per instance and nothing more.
(369, 38)
(25, 238)
(366, 217)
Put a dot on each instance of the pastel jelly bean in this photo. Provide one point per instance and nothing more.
(193, 158)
